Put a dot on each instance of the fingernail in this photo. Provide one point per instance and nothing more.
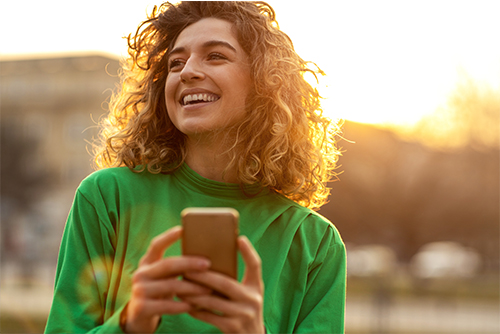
(204, 263)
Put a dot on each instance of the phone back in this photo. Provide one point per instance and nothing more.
(212, 233)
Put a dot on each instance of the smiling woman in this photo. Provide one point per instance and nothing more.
(209, 69)
(214, 111)
(269, 116)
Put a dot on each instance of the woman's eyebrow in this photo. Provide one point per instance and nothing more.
(209, 44)
(205, 45)
(176, 51)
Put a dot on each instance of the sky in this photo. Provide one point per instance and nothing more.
(387, 61)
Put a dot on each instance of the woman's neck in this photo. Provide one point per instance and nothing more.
(209, 159)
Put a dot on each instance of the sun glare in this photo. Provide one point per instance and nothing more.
(387, 61)
(391, 62)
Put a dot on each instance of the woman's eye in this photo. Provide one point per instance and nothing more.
(175, 64)
(216, 56)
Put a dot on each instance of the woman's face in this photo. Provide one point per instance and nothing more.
(208, 79)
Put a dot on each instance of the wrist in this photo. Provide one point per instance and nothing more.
(129, 325)
(123, 318)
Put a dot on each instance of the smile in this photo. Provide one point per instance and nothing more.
(199, 98)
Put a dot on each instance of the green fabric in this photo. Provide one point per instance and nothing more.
(116, 213)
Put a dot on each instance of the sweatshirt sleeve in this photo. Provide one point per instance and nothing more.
(323, 306)
(83, 272)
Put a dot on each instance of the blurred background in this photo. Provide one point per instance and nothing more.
(417, 197)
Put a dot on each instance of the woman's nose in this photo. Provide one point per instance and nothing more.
(192, 71)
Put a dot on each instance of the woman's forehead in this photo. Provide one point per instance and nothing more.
(207, 29)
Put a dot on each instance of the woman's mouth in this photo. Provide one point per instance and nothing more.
(191, 99)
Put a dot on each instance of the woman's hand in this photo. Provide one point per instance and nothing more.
(156, 283)
(242, 311)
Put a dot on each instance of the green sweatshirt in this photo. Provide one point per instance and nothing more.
(116, 213)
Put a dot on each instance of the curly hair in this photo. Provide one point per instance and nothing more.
(284, 142)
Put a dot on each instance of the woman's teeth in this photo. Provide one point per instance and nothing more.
(195, 98)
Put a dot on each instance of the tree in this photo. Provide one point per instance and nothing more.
(22, 181)
(405, 194)
(471, 117)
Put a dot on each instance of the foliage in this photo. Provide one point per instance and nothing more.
(22, 181)
(404, 195)
(471, 117)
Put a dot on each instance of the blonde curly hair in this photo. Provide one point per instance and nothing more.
(284, 142)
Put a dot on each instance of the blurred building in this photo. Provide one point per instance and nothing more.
(49, 110)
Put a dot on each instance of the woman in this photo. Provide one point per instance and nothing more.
(213, 112)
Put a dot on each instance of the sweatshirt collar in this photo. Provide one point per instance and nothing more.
(217, 188)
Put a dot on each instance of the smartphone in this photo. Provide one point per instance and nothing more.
(212, 233)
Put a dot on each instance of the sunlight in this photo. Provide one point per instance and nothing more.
(391, 62)
(387, 62)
